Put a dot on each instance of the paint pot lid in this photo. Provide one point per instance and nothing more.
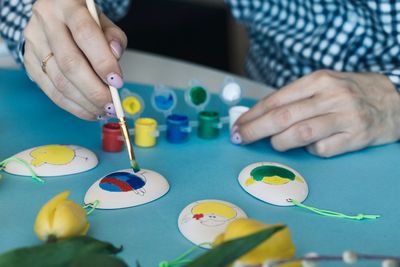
(163, 99)
(197, 95)
(125, 188)
(273, 183)
(231, 92)
(132, 103)
(53, 160)
(202, 221)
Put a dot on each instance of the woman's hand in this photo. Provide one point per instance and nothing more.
(327, 112)
(85, 56)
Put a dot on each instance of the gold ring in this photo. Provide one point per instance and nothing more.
(44, 62)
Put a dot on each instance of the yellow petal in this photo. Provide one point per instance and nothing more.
(44, 219)
(278, 246)
(69, 220)
(218, 240)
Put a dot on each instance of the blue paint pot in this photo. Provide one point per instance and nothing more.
(177, 128)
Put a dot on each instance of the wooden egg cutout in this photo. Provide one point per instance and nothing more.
(202, 221)
(125, 188)
(54, 160)
(273, 183)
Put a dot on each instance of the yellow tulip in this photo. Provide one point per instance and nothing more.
(277, 247)
(61, 218)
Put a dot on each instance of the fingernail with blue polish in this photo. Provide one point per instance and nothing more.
(109, 108)
(236, 138)
(115, 80)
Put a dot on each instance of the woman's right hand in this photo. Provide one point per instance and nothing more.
(85, 57)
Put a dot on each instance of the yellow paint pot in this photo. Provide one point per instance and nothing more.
(146, 132)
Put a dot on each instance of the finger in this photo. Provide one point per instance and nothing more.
(60, 82)
(65, 87)
(73, 64)
(334, 145)
(302, 88)
(116, 38)
(91, 40)
(281, 118)
(33, 67)
(308, 131)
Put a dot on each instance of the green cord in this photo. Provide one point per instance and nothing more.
(23, 163)
(91, 206)
(334, 214)
(181, 259)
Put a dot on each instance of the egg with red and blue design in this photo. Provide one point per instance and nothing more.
(125, 188)
(123, 182)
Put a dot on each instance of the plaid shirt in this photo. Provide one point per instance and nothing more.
(15, 14)
(289, 38)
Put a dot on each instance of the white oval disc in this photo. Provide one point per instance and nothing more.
(273, 183)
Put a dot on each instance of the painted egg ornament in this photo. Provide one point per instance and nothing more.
(273, 183)
(202, 221)
(125, 188)
(53, 160)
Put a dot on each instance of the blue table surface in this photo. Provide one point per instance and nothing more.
(367, 182)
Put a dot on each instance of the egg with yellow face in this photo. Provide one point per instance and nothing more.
(273, 183)
(202, 221)
(53, 160)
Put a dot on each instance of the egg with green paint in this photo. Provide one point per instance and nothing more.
(52, 160)
(273, 183)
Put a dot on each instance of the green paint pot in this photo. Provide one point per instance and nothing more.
(208, 125)
(198, 95)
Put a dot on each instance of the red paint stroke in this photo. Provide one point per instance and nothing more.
(121, 184)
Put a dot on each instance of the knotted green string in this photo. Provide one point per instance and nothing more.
(329, 213)
(24, 164)
(181, 259)
(91, 206)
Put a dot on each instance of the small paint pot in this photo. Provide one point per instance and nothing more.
(146, 132)
(177, 128)
(112, 140)
(209, 125)
(235, 112)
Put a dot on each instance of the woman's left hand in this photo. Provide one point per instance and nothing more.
(328, 112)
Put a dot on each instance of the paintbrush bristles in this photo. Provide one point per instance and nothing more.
(135, 166)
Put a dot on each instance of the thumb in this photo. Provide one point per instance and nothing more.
(115, 36)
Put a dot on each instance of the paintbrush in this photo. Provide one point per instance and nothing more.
(117, 101)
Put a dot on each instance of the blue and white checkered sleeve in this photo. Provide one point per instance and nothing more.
(243, 10)
(15, 14)
(114, 9)
(394, 77)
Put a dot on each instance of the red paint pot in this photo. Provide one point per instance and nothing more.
(112, 137)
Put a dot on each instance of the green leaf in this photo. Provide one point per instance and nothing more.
(227, 252)
(98, 260)
(76, 251)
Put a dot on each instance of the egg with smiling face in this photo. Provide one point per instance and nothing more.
(202, 221)
(273, 183)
